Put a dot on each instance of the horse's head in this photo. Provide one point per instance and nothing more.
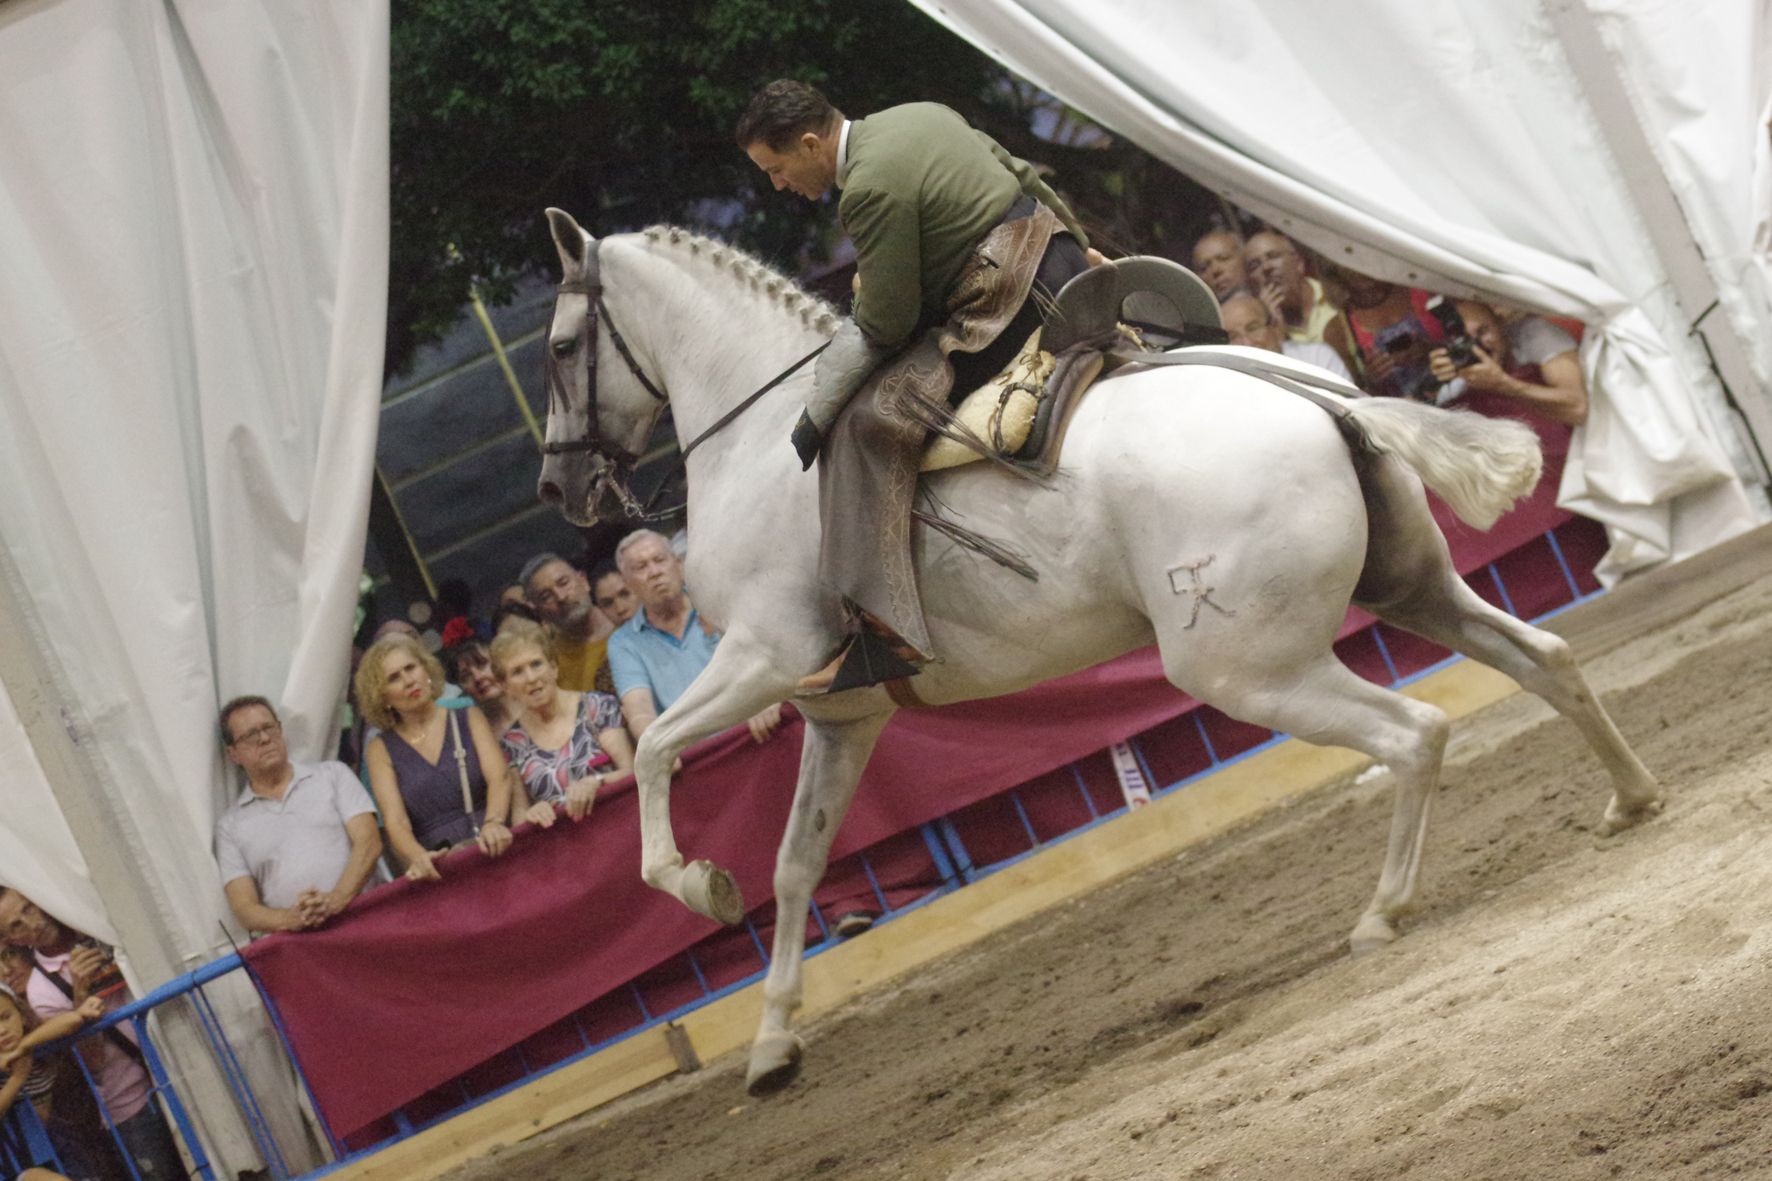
(598, 420)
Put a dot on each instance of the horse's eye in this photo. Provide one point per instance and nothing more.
(564, 348)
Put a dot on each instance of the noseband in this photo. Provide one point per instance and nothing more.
(591, 286)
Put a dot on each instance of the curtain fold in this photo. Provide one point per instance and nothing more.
(193, 213)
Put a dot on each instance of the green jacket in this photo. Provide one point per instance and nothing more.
(920, 188)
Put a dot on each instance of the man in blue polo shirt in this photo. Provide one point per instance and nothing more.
(655, 655)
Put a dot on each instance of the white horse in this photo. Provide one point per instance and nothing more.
(1200, 509)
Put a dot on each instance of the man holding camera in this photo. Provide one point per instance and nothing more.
(71, 967)
(1532, 364)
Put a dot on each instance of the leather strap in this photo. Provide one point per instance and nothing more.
(1308, 386)
(461, 769)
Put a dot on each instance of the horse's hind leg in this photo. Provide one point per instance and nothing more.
(1320, 701)
(1409, 581)
(831, 763)
(1448, 612)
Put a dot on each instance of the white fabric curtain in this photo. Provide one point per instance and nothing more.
(1449, 146)
(194, 223)
(1699, 75)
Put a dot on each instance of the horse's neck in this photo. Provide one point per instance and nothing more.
(713, 341)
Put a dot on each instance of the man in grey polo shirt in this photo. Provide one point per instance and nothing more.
(301, 840)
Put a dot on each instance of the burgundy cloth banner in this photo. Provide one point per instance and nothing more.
(415, 984)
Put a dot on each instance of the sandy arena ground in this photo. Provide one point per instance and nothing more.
(1563, 1006)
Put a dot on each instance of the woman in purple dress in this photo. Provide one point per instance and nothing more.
(438, 775)
(564, 745)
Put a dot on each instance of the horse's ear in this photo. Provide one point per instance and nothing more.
(569, 239)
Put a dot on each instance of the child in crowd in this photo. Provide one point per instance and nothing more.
(20, 1032)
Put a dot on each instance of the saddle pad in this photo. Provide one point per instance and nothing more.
(1001, 411)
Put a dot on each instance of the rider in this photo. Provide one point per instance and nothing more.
(953, 236)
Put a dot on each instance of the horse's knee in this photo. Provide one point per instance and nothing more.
(650, 755)
(1428, 731)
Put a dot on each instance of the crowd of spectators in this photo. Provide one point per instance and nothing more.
(520, 718)
(1396, 341)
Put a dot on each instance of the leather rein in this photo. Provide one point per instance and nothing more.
(620, 458)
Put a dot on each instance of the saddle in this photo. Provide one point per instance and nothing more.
(1131, 304)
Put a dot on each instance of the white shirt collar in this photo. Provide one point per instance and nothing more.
(843, 148)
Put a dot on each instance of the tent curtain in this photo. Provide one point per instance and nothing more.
(1446, 146)
(193, 214)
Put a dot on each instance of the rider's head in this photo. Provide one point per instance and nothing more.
(791, 132)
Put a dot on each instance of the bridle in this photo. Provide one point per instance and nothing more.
(590, 285)
(621, 460)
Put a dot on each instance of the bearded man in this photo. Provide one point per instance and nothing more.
(561, 596)
(953, 239)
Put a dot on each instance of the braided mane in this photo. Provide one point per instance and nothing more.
(750, 271)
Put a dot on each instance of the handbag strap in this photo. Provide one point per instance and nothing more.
(461, 769)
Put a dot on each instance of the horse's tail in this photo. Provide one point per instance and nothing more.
(1478, 465)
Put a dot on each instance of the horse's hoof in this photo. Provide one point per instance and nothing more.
(712, 892)
(775, 1062)
(1622, 816)
(1372, 933)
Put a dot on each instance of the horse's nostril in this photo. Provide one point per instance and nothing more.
(550, 493)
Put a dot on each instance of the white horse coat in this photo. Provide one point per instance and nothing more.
(1200, 509)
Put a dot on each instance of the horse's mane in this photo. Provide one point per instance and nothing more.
(749, 271)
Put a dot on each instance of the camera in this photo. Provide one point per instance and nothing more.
(108, 981)
(1459, 345)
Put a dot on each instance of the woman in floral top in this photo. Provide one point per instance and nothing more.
(563, 745)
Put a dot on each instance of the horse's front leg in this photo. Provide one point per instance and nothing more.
(740, 681)
(831, 763)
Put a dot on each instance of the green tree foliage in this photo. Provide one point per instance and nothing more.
(618, 110)
(621, 111)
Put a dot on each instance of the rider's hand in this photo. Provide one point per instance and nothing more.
(540, 814)
(1096, 258)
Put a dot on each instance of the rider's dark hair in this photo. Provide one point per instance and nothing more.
(783, 111)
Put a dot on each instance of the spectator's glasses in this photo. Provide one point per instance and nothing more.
(257, 734)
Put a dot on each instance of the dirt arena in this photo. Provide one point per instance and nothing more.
(1563, 1006)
